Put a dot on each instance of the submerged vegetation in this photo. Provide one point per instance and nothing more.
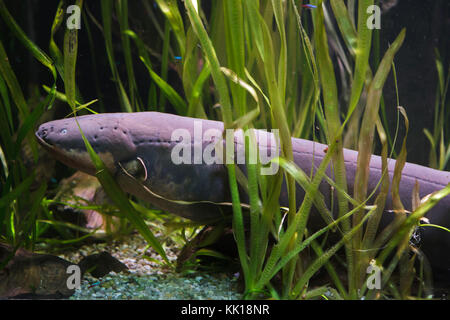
(250, 64)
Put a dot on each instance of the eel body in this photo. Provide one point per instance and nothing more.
(138, 149)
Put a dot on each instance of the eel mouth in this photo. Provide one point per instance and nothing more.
(77, 159)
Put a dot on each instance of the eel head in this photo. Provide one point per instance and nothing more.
(63, 139)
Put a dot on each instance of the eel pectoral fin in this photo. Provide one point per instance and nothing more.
(135, 168)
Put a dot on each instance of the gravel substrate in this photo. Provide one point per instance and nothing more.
(157, 287)
(147, 279)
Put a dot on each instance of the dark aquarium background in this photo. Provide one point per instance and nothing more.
(427, 23)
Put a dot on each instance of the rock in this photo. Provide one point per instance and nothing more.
(101, 264)
(218, 238)
(32, 275)
(80, 189)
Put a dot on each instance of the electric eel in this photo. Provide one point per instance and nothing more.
(174, 163)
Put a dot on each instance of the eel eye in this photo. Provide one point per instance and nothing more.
(63, 131)
(136, 168)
